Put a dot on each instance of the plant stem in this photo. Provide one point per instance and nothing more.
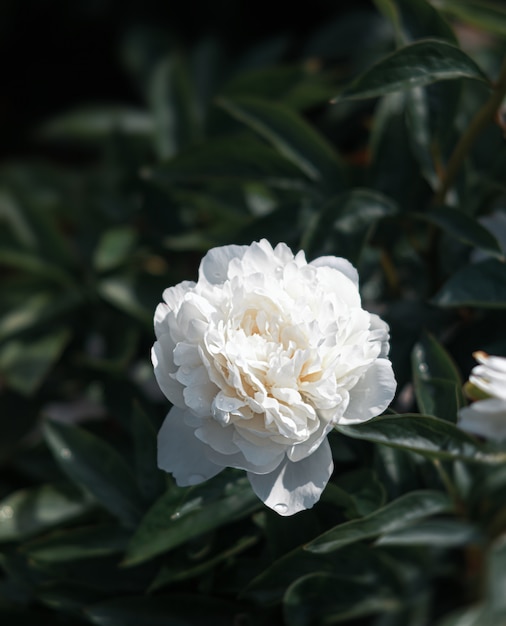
(482, 118)
(449, 486)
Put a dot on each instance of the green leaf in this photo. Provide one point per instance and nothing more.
(231, 159)
(93, 464)
(322, 598)
(29, 512)
(443, 533)
(123, 293)
(396, 515)
(345, 223)
(114, 248)
(13, 431)
(291, 85)
(490, 16)
(425, 110)
(150, 479)
(269, 586)
(424, 434)
(25, 361)
(421, 63)
(175, 571)
(36, 310)
(464, 228)
(174, 107)
(76, 544)
(437, 382)
(359, 491)
(174, 609)
(182, 514)
(496, 576)
(96, 124)
(291, 136)
(480, 285)
(28, 262)
(474, 616)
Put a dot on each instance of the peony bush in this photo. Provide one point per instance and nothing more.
(312, 210)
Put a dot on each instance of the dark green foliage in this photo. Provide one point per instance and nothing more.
(216, 139)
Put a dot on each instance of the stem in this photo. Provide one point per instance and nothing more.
(449, 486)
(482, 118)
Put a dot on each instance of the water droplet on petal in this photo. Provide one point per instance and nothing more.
(195, 479)
(280, 508)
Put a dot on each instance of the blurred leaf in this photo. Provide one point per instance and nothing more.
(28, 512)
(35, 265)
(177, 572)
(182, 514)
(176, 609)
(93, 464)
(415, 19)
(394, 170)
(464, 228)
(291, 136)
(13, 431)
(354, 35)
(396, 515)
(231, 159)
(356, 562)
(30, 206)
(150, 479)
(364, 492)
(480, 285)
(441, 533)
(418, 121)
(291, 85)
(37, 309)
(345, 223)
(424, 434)
(114, 248)
(122, 292)
(25, 361)
(79, 543)
(98, 123)
(437, 382)
(416, 65)
(322, 598)
(474, 616)
(490, 16)
(496, 576)
(174, 106)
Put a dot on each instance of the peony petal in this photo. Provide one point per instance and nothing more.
(181, 453)
(339, 264)
(174, 296)
(293, 487)
(380, 332)
(303, 450)
(161, 356)
(239, 462)
(372, 393)
(214, 266)
(218, 437)
(260, 455)
(161, 325)
(334, 281)
(486, 418)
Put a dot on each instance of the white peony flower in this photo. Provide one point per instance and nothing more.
(487, 417)
(261, 358)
